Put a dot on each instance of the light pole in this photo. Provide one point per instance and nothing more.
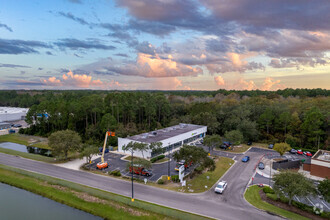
(132, 176)
(169, 159)
(270, 172)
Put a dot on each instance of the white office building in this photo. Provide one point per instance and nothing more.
(12, 114)
(172, 138)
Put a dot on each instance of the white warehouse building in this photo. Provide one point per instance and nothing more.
(12, 114)
(172, 138)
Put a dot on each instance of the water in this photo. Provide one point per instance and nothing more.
(16, 204)
(26, 149)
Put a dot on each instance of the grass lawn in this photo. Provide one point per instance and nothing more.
(253, 197)
(161, 160)
(27, 140)
(28, 155)
(198, 183)
(97, 202)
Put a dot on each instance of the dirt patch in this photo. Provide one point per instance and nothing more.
(289, 208)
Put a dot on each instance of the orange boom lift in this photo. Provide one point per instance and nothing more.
(102, 165)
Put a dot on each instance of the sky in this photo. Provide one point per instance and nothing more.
(164, 44)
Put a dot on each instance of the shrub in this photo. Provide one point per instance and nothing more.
(160, 181)
(153, 160)
(115, 173)
(209, 163)
(175, 178)
(199, 169)
(267, 189)
(271, 196)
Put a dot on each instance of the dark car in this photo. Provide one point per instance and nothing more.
(261, 166)
(105, 151)
(293, 151)
(225, 145)
(17, 125)
(249, 143)
(271, 146)
(245, 159)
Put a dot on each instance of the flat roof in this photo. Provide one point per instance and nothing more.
(4, 123)
(322, 155)
(165, 133)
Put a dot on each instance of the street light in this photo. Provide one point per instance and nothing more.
(132, 176)
(169, 158)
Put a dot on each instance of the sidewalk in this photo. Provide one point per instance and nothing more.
(76, 164)
(266, 172)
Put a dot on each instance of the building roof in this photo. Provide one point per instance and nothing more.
(4, 123)
(323, 155)
(165, 133)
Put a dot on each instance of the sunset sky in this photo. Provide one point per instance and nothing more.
(164, 44)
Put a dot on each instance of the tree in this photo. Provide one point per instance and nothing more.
(88, 151)
(292, 184)
(234, 136)
(266, 119)
(61, 142)
(156, 148)
(324, 189)
(212, 141)
(108, 122)
(136, 146)
(194, 154)
(312, 126)
(282, 148)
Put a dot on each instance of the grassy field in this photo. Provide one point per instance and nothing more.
(97, 202)
(243, 147)
(26, 140)
(161, 160)
(198, 183)
(253, 197)
(28, 155)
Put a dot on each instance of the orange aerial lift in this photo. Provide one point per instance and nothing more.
(102, 165)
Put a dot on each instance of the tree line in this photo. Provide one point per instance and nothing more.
(300, 121)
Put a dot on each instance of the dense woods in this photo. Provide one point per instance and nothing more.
(298, 117)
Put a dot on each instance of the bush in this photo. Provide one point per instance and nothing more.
(325, 215)
(175, 178)
(209, 163)
(271, 196)
(199, 169)
(160, 181)
(153, 160)
(269, 190)
(115, 173)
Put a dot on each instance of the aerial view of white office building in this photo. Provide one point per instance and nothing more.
(12, 113)
(172, 138)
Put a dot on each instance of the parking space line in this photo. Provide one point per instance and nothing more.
(310, 201)
(325, 204)
(234, 157)
(297, 198)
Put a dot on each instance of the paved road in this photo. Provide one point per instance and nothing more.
(231, 205)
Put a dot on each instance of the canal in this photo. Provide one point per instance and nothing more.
(26, 149)
(16, 203)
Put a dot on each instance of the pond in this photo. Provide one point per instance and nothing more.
(16, 203)
(26, 149)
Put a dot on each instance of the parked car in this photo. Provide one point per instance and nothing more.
(17, 125)
(245, 159)
(220, 187)
(105, 151)
(300, 152)
(182, 162)
(249, 143)
(225, 145)
(308, 154)
(261, 166)
(271, 146)
(293, 151)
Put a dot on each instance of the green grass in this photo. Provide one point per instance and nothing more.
(199, 182)
(253, 197)
(161, 160)
(97, 202)
(26, 140)
(28, 155)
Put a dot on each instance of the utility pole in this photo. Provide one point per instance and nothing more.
(169, 159)
(132, 176)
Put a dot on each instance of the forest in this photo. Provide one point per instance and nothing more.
(299, 117)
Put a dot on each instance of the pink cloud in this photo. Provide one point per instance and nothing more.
(269, 83)
(219, 80)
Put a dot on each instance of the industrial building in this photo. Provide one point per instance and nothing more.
(319, 164)
(172, 138)
(12, 114)
(4, 125)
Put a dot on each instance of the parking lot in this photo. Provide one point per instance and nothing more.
(116, 162)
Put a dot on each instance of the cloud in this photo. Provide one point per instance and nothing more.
(242, 84)
(219, 80)
(49, 53)
(69, 15)
(269, 83)
(121, 55)
(72, 80)
(75, 44)
(6, 27)
(20, 46)
(6, 65)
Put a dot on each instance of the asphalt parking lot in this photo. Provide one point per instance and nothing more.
(116, 163)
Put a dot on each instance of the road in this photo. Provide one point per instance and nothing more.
(230, 205)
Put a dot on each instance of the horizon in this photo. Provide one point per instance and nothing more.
(157, 45)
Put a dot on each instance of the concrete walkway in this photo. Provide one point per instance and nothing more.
(76, 164)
